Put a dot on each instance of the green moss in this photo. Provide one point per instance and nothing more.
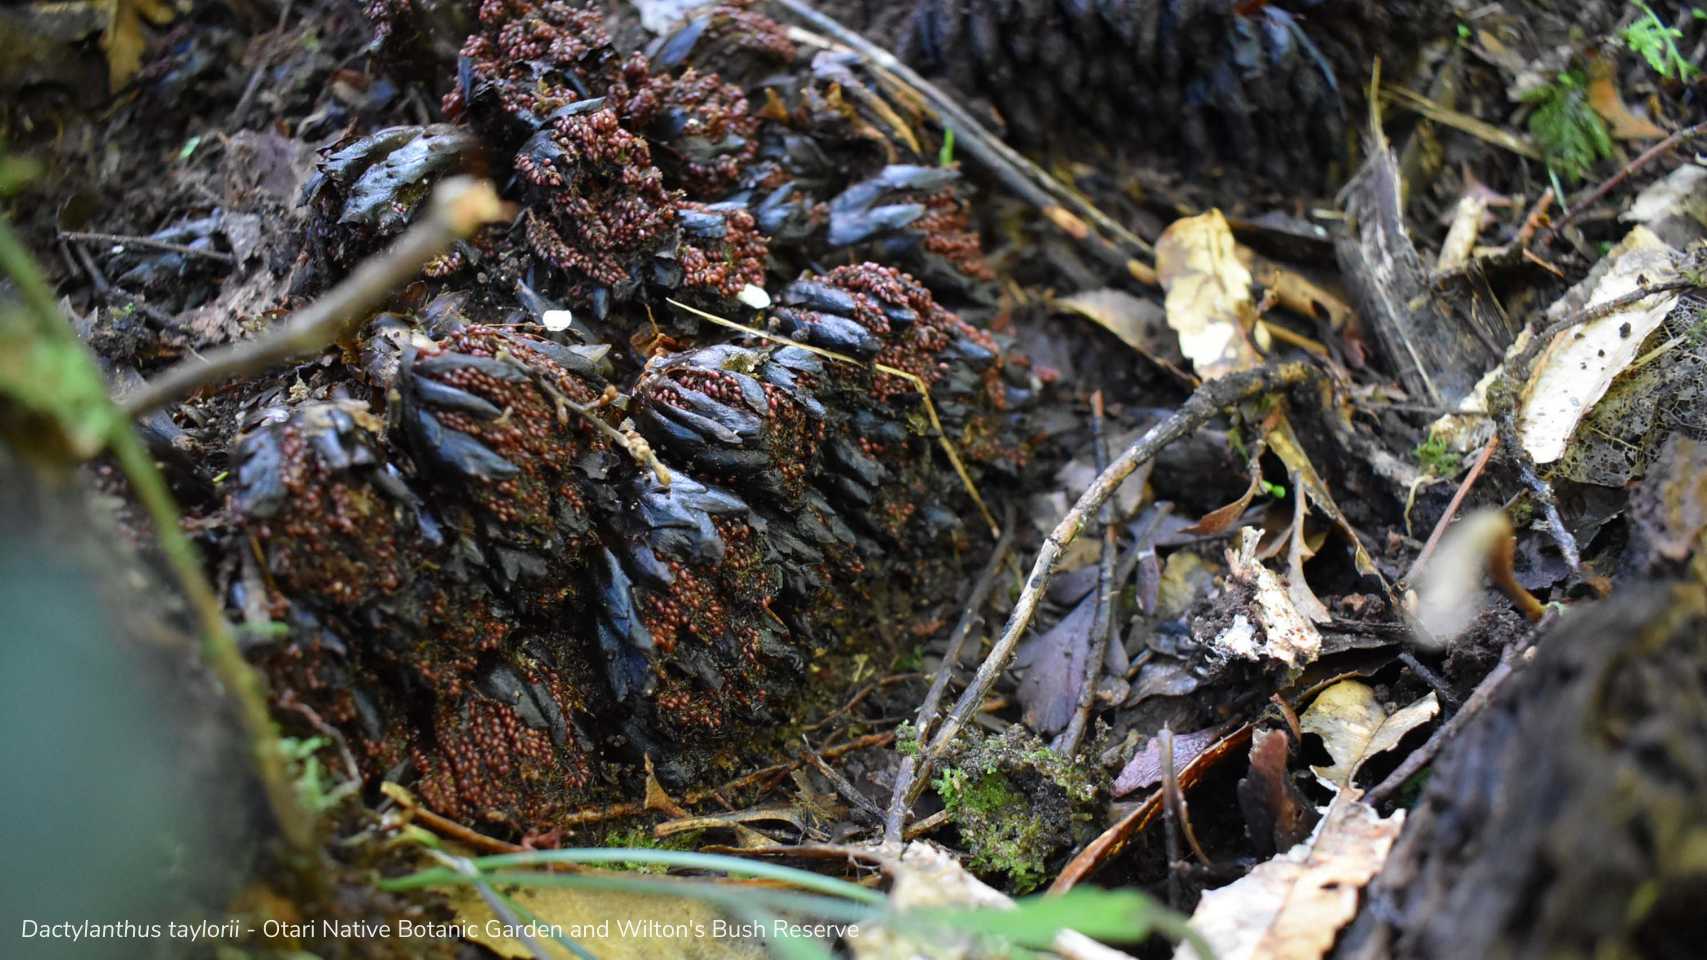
(1436, 458)
(1571, 135)
(907, 740)
(641, 838)
(1015, 803)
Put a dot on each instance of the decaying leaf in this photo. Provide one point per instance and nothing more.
(1144, 770)
(1294, 905)
(1141, 324)
(1353, 725)
(124, 40)
(1221, 519)
(1279, 631)
(1574, 371)
(1604, 97)
(1285, 445)
(1277, 814)
(1209, 294)
(1054, 665)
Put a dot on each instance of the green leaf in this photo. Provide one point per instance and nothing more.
(946, 155)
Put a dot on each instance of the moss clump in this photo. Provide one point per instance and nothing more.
(1436, 457)
(1015, 803)
(641, 838)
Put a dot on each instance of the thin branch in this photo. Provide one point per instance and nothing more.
(460, 205)
(1451, 510)
(911, 771)
(1208, 401)
(1067, 210)
(1068, 742)
(148, 243)
(1647, 156)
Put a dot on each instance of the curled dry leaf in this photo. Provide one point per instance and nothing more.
(1574, 371)
(1277, 814)
(1354, 727)
(1604, 97)
(1279, 632)
(1285, 445)
(1142, 324)
(1209, 294)
(1294, 905)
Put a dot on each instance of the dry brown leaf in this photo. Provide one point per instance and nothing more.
(1285, 445)
(1293, 906)
(1221, 519)
(1604, 97)
(1295, 291)
(1277, 815)
(1208, 294)
(1279, 631)
(1141, 324)
(1355, 727)
(1145, 767)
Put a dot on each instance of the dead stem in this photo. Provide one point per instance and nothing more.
(1068, 742)
(1451, 511)
(459, 207)
(1611, 183)
(147, 243)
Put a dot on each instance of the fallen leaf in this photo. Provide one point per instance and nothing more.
(1285, 445)
(124, 40)
(927, 879)
(1297, 551)
(1279, 631)
(1354, 727)
(1604, 97)
(1277, 815)
(1145, 767)
(1054, 665)
(1683, 191)
(1141, 324)
(1221, 519)
(1574, 371)
(1460, 239)
(1208, 294)
(1293, 906)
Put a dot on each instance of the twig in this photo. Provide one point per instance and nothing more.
(444, 826)
(1420, 757)
(1067, 744)
(1064, 208)
(854, 701)
(459, 207)
(1451, 510)
(148, 243)
(849, 792)
(1204, 404)
(219, 646)
(911, 772)
(1646, 157)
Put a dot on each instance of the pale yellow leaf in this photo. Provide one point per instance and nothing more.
(1141, 324)
(1284, 442)
(1354, 727)
(1576, 368)
(1294, 905)
(1208, 294)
